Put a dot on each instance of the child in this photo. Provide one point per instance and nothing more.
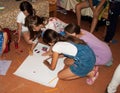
(115, 82)
(25, 10)
(71, 47)
(42, 23)
(36, 23)
(101, 49)
(100, 4)
(3, 42)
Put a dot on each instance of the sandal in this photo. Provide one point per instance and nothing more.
(90, 81)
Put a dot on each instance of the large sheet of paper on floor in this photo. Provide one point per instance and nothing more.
(33, 68)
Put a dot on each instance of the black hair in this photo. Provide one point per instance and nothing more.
(25, 5)
(72, 28)
(33, 20)
(51, 36)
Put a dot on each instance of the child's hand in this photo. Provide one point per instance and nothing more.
(47, 53)
(46, 63)
(30, 53)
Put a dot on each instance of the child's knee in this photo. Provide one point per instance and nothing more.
(60, 76)
(78, 7)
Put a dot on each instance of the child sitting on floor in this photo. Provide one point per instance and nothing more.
(26, 9)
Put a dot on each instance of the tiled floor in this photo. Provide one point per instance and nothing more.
(13, 84)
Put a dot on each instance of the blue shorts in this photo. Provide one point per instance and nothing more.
(84, 61)
(81, 70)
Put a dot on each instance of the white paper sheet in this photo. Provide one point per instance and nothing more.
(4, 66)
(33, 68)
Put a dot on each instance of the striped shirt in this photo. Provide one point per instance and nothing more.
(1, 41)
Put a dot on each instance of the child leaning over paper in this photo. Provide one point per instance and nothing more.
(76, 49)
(37, 24)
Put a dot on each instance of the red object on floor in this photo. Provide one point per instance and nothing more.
(16, 44)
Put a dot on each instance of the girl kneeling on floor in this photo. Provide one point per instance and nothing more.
(71, 47)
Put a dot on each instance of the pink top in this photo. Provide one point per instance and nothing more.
(100, 48)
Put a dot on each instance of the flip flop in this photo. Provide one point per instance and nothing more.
(91, 81)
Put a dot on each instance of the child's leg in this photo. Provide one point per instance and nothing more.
(92, 75)
(66, 74)
(96, 14)
(26, 36)
(78, 8)
(1, 57)
(115, 82)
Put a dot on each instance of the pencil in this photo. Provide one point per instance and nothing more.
(52, 80)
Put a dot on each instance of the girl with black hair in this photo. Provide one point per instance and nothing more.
(25, 10)
(76, 49)
(38, 24)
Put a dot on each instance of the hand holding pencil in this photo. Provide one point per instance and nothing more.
(47, 63)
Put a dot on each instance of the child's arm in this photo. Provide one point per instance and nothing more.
(54, 61)
(48, 53)
(32, 47)
(19, 31)
(4, 41)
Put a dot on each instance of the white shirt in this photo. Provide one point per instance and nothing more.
(21, 20)
(65, 48)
